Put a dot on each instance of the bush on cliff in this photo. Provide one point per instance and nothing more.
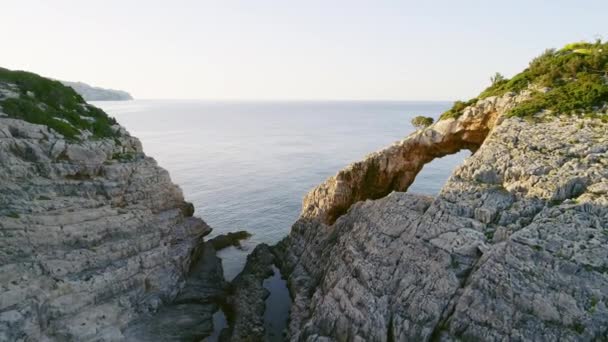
(47, 102)
(571, 80)
(422, 121)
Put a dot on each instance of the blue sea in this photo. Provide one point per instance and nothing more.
(247, 165)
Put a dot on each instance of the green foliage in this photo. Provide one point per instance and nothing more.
(47, 102)
(497, 78)
(457, 109)
(574, 80)
(422, 121)
(124, 157)
(585, 93)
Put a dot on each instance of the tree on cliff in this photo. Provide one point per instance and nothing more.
(422, 121)
(497, 78)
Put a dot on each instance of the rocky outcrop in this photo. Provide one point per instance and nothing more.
(395, 168)
(513, 248)
(189, 316)
(90, 93)
(246, 299)
(93, 234)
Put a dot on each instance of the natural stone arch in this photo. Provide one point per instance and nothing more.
(395, 168)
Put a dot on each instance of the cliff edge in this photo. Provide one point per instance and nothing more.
(515, 245)
(93, 232)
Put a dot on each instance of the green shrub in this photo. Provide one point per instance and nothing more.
(575, 81)
(457, 109)
(422, 121)
(497, 78)
(48, 102)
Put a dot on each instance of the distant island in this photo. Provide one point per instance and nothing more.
(90, 93)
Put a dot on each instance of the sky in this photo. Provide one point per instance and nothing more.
(290, 50)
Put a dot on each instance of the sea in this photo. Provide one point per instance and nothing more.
(246, 165)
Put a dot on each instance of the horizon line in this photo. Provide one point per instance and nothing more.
(276, 100)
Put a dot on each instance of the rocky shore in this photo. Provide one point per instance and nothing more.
(514, 247)
(98, 244)
(96, 241)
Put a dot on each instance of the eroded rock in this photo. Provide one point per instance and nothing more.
(513, 248)
(93, 235)
(395, 167)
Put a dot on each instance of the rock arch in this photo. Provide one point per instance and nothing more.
(395, 168)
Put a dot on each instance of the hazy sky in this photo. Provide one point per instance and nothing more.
(312, 49)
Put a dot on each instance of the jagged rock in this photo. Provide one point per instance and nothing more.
(89, 240)
(395, 167)
(230, 239)
(513, 248)
(189, 316)
(246, 300)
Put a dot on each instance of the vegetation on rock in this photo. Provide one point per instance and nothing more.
(48, 102)
(572, 80)
(422, 121)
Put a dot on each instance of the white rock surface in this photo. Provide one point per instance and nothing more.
(515, 247)
(92, 234)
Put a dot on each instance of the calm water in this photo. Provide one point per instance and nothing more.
(277, 304)
(247, 165)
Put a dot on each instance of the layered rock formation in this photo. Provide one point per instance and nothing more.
(90, 93)
(396, 167)
(246, 298)
(188, 317)
(513, 248)
(93, 232)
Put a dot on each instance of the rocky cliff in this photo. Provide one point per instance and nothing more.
(515, 245)
(90, 93)
(93, 232)
(513, 248)
(98, 244)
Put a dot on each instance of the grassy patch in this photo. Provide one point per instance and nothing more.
(47, 102)
(574, 79)
(457, 109)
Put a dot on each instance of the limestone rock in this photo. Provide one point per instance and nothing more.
(93, 234)
(515, 246)
(395, 167)
(246, 300)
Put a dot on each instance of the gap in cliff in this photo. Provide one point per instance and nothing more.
(396, 167)
(433, 176)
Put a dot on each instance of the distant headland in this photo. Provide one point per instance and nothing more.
(90, 93)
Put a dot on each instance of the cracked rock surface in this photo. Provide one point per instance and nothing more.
(515, 247)
(93, 234)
